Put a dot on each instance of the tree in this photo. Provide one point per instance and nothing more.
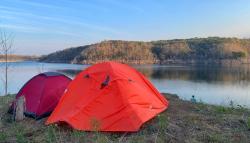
(6, 44)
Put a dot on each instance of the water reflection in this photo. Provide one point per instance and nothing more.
(209, 74)
(211, 84)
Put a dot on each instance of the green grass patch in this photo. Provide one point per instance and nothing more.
(213, 138)
(78, 136)
(19, 133)
(51, 134)
(237, 110)
(223, 110)
(162, 120)
(100, 138)
(138, 139)
(248, 123)
(3, 137)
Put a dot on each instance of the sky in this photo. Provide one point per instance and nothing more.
(44, 26)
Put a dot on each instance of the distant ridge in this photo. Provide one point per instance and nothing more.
(177, 51)
(15, 58)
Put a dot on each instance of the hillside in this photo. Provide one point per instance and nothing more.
(182, 122)
(195, 50)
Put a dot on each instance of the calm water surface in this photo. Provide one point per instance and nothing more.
(210, 84)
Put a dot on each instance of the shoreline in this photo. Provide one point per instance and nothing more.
(170, 63)
(13, 61)
(166, 62)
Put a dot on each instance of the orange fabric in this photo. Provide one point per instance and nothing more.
(108, 96)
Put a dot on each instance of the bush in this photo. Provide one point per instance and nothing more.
(237, 55)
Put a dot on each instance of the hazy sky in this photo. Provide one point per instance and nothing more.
(44, 26)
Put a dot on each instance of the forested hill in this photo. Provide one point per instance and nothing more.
(195, 50)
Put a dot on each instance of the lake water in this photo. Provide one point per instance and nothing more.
(210, 84)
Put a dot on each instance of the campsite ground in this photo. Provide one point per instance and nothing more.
(183, 121)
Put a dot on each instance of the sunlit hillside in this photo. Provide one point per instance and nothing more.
(195, 50)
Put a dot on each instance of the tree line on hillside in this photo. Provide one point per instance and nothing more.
(195, 49)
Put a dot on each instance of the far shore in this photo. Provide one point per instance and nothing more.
(208, 63)
(10, 61)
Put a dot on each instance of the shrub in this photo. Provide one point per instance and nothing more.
(237, 55)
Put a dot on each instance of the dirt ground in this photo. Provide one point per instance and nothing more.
(183, 122)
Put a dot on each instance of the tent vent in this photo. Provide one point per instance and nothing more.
(105, 83)
(86, 76)
(130, 80)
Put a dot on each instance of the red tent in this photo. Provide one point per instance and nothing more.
(108, 97)
(42, 93)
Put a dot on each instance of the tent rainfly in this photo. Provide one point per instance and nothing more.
(108, 96)
(42, 94)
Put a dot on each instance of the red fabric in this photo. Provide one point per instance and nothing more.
(124, 104)
(42, 93)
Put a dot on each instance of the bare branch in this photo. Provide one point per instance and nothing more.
(6, 45)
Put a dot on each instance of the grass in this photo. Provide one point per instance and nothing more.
(183, 121)
(230, 110)
(214, 138)
(248, 123)
(51, 134)
(162, 122)
(3, 136)
(78, 136)
(19, 134)
(224, 110)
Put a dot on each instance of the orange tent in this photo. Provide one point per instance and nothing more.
(108, 96)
